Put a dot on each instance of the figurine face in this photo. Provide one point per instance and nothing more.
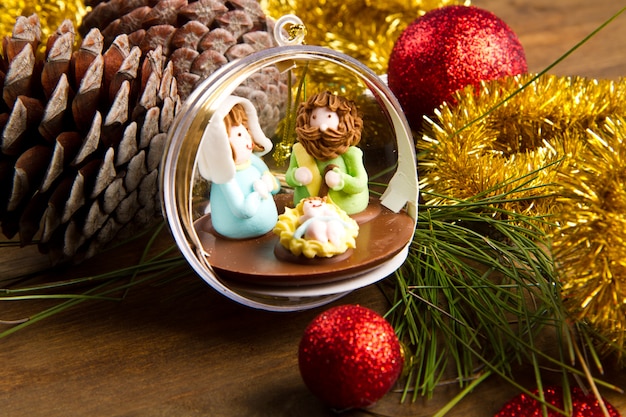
(324, 118)
(241, 143)
(313, 207)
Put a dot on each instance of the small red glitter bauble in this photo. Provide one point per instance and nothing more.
(447, 49)
(350, 357)
(582, 405)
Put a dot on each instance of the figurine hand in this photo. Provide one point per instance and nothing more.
(261, 187)
(333, 179)
(303, 175)
(270, 182)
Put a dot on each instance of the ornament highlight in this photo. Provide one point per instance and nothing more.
(350, 357)
(446, 50)
(583, 405)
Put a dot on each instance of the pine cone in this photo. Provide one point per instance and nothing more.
(82, 136)
(198, 37)
(83, 131)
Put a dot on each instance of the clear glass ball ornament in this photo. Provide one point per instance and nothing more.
(248, 269)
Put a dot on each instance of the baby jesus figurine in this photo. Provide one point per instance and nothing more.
(316, 228)
(320, 222)
(325, 161)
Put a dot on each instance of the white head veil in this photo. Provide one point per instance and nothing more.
(215, 157)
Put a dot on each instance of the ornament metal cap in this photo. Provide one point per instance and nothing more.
(293, 26)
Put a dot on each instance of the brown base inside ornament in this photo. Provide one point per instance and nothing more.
(382, 235)
(285, 255)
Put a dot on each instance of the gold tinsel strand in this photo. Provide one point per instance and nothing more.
(51, 14)
(590, 244)
(479, 147)
(364, 29)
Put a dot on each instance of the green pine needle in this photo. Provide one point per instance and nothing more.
(109, 286)
(477, 290)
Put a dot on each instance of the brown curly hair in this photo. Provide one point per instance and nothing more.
(330, 143)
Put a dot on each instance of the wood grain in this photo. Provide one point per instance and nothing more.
(181, 349)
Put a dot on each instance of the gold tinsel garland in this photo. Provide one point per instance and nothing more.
(557, 148)
(589, 245)
(502, 139)
(366, 30)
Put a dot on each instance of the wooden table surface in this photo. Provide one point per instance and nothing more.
(181, 349)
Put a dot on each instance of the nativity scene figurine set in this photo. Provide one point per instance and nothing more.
(326, 172)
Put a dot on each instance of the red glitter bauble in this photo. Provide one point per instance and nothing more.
(582, 405)
(447, 49)
(350, 357)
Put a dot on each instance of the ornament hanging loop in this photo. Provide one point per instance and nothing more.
(291, 25)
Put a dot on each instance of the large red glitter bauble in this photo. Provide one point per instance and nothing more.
(448, 49)
(582, 405)
(350, 357)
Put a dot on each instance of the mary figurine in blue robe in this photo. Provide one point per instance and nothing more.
(241, 199)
